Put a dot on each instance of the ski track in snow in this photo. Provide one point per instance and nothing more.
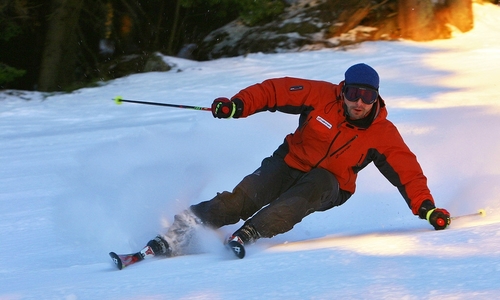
(81, 176)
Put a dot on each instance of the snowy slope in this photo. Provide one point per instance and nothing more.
(81, 176)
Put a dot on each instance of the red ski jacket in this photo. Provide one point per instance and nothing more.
(326, 139)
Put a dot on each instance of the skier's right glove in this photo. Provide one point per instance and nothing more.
(223, 108)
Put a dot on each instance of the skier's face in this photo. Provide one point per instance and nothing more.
(357, 109)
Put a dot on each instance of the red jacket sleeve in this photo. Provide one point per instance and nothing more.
(288, 95)
(400, 166)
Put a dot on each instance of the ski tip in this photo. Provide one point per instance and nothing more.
(237, 248)
(482, 212)
(116, 259)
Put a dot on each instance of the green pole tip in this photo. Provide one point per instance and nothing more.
(118, 100)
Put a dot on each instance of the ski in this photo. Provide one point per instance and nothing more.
(235, 244)
(124, 260)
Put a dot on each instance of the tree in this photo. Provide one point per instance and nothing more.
(460, 14)
(18, 25)
(8, 29)
(60, 51)
(423, 20)
(415, 19)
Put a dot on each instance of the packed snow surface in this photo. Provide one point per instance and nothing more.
(81, 176)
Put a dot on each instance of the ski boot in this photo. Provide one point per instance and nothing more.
(247, 234)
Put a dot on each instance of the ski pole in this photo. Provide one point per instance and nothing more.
(120, 100)
(480, 212)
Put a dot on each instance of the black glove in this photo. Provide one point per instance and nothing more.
(438, 217)
(223, 108)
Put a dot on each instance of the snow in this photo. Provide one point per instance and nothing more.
(81, 176)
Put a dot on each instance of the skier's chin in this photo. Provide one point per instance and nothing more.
(356, 114)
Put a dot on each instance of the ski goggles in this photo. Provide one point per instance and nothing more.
(353, 93)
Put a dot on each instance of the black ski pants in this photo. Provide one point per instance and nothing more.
(275, 196)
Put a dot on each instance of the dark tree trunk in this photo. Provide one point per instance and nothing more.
(61, 46)
(173, 33)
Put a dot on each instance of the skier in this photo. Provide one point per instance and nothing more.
(342, 128)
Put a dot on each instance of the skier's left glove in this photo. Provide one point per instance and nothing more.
(439, 218)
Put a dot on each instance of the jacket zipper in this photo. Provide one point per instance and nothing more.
(345, 145)
(328, 151)
(337, 150)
